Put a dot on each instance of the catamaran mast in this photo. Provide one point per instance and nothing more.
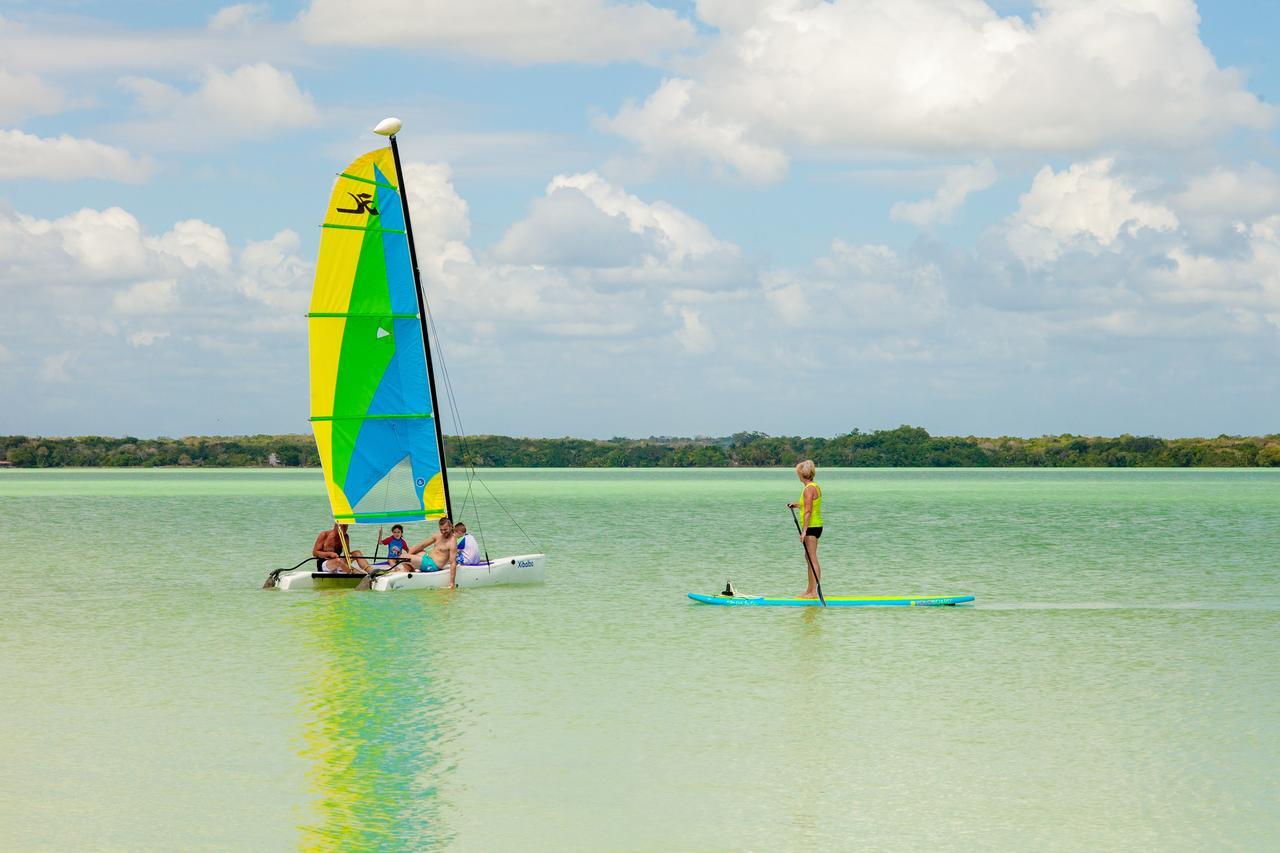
(382, 128)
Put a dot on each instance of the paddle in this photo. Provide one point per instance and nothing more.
(812, 572)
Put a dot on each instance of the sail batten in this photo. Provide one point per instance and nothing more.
(368, 417)
(371, 400)
(365, 228)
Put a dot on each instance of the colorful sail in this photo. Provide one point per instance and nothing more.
(371, 405)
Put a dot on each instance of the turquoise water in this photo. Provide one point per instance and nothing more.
(1116, 686)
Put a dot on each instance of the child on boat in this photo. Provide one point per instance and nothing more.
(395, 542)
(468, 550)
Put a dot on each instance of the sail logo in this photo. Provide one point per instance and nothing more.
(363, 204)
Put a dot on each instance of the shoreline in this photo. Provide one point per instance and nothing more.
(904, 447)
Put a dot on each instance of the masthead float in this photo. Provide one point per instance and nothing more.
(374, 407)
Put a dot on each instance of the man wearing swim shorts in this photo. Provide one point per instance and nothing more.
(434, 554)
(332, 550)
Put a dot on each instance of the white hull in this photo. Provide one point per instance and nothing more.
(506, 571)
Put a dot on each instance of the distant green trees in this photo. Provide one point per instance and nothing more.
(906, 446)
(129, 452)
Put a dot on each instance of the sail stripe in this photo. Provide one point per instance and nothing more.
(367, 417)
(364, 314)
(364, 228)
(366, 181)
(393, 515)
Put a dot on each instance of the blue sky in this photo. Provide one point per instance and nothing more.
(668, 218)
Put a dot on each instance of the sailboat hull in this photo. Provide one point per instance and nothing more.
(506, 571)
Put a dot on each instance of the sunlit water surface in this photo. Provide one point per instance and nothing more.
(1116, 686)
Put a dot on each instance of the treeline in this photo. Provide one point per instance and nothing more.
(905, 446)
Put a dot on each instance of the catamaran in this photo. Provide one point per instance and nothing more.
(373, 386)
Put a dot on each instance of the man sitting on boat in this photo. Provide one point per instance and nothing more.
(329, 550)
(468, 550)
(434, 554)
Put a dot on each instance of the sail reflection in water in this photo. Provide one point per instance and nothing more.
(376, 723)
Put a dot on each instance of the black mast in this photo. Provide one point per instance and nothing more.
(422, 318)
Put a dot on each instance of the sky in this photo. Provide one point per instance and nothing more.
(634, 219)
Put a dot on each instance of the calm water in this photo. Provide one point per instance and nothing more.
(1116, 687)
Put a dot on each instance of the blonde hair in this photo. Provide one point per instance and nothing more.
(807, 469)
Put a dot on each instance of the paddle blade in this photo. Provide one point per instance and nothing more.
(366, 582)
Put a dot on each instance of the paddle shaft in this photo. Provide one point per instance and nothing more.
(808, 560)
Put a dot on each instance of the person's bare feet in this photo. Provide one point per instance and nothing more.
(808, 593)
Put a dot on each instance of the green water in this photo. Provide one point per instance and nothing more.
(1116, 686)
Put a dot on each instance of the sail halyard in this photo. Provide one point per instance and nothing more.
(373, 408)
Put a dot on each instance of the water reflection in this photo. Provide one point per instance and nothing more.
(376, 725)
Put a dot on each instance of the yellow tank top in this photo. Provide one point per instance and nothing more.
(815, 520)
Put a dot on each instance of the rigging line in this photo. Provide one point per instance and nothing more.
(448, 383)
(462, 432)
(504, 509)
(471, 477)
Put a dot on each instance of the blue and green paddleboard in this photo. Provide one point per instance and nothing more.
(740, 600)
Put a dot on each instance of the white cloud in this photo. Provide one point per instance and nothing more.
(585, 220)
(146, 338)
(100, 47)
(506, 30)
(23, 95)
(680, 235)
(693, 333)
(1248, 281)
(441, 218)
(194, 244)
(957, 186)
(92, 246)
(1224, 197)
(867, 76)
(147, 297)
(274, 275)
(66, 158)
(57, 368)
(1083, 207)
(665, 128)
(249, 102)
(104, 243)
(860, 290)
(241, 16)
(90, 296)
(568, 229)
(589, 262)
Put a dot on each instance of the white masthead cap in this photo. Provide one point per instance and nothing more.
(388, 127)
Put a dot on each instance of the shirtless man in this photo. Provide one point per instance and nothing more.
(328, 549)
(443, 554)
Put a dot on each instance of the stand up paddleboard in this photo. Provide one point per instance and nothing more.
(740, 600)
